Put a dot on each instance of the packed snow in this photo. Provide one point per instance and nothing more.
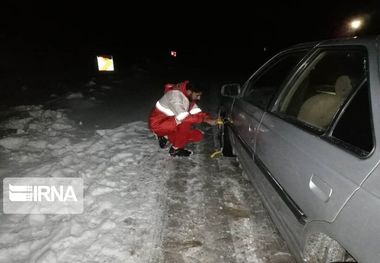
(140, 204)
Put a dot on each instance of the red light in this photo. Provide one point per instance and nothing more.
(173, 53)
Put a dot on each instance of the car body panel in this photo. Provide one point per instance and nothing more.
(358, 230)
(246, 119)
(271, 199)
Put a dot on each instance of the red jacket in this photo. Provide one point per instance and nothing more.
(173, 109)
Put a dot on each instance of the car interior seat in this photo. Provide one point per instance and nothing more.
(320, 109)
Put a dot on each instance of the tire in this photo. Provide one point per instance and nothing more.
(227, 147)
(323, 249)
(223, 136)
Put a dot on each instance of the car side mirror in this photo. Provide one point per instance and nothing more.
(231, 90)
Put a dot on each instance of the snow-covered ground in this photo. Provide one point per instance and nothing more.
(140, 204)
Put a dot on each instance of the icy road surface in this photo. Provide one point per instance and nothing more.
(140, 204)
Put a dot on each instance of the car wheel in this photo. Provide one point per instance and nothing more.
(224, 138)
(227, 147)
(322, 249)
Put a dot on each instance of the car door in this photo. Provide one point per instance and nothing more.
(301, 144)
(257, 93)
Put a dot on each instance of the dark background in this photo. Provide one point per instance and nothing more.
(49, 47)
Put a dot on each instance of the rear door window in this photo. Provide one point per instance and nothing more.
(329, 79)
(354, 130)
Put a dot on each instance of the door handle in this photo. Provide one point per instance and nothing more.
(320, 188)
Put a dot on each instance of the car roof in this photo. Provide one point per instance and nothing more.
(339, 41)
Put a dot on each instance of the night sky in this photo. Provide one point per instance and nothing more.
(226, 37)
(188, 25)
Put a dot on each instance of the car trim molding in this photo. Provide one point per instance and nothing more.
(298, 213)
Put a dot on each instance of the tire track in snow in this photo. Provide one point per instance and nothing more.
(195, 230)
(213, 214)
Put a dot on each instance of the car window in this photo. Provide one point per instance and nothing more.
(323, 87)
(354, 127)
(261, 89)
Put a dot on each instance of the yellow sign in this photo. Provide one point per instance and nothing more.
(105, 63)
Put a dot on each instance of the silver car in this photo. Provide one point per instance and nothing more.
(304, 128)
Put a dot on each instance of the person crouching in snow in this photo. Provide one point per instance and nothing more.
(173, 116)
